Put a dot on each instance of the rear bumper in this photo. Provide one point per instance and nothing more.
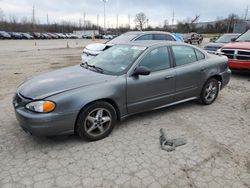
(225, 77)
(239, 64)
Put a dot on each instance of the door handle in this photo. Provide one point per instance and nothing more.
(169, 77)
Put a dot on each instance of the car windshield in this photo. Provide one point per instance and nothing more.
(244, 37)
(123, 38)
(225, 38)
(116, 60)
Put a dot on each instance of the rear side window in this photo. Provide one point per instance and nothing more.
(145, 37)
(157, 59)
(163, 37)
(199, 55)
(184, 55)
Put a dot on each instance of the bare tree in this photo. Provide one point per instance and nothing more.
(140, 20)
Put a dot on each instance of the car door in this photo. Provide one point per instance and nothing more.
(189, 66)
(155, 89)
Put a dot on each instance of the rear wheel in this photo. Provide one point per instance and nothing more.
(210, 91)
(96, 121)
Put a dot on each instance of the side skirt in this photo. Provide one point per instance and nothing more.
(163, 106)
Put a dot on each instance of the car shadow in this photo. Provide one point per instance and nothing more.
(241, 74)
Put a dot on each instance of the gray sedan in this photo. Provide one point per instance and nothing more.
(90, 98)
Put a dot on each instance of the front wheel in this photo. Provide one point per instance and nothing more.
(209, 91)
(96, 121)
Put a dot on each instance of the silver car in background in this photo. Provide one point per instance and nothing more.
(92, 50)
(89, 99)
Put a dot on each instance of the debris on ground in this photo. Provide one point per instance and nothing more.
(169, 144)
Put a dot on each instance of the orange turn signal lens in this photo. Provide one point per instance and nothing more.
(48, 106)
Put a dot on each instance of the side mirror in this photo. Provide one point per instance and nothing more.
(233, 39)
(141, 70)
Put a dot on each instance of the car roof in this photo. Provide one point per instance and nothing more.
(150, 43)
(231, 34)
(146, 32)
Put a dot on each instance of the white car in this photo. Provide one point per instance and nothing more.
(92, 50)
(107, 37)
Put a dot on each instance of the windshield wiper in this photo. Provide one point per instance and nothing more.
(98, 69)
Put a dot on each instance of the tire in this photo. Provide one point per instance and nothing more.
(209, 91)
(96, 121)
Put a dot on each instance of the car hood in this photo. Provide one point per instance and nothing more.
(59, 81)
(238, 45)
(214, 44)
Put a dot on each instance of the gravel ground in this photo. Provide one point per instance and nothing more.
(217, 153)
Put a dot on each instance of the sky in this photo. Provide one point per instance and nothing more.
(156, 10)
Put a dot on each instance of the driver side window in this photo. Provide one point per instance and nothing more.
(156, 60)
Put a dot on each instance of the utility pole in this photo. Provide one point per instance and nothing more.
(246, 13)
(129, 21)
(97, 21)
(104, 13)
(84, 16)
(173, 21)
(47, 19)
(33, 18)
(117, 21)
(80, 23)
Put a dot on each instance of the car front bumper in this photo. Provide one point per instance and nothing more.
(239, 64)
(43, 124)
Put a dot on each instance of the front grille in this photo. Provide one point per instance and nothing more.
(243, 55)
(19, 100)
(236, 54)
(228, 53)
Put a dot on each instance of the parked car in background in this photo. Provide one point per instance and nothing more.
(107, 36)
(221, 41)
(53, 36)
(192, 38)
(214, 38)
(37, 35)
(126, 79)
(46, 36)
(26, 36)
(71, 36)
(15, 35)
(61, 36)
(4, 35)
(238, 52)
(92, 50)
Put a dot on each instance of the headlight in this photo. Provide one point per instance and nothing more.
(41, 106)
(219, 50)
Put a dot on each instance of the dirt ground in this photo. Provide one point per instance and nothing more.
(217, 153)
